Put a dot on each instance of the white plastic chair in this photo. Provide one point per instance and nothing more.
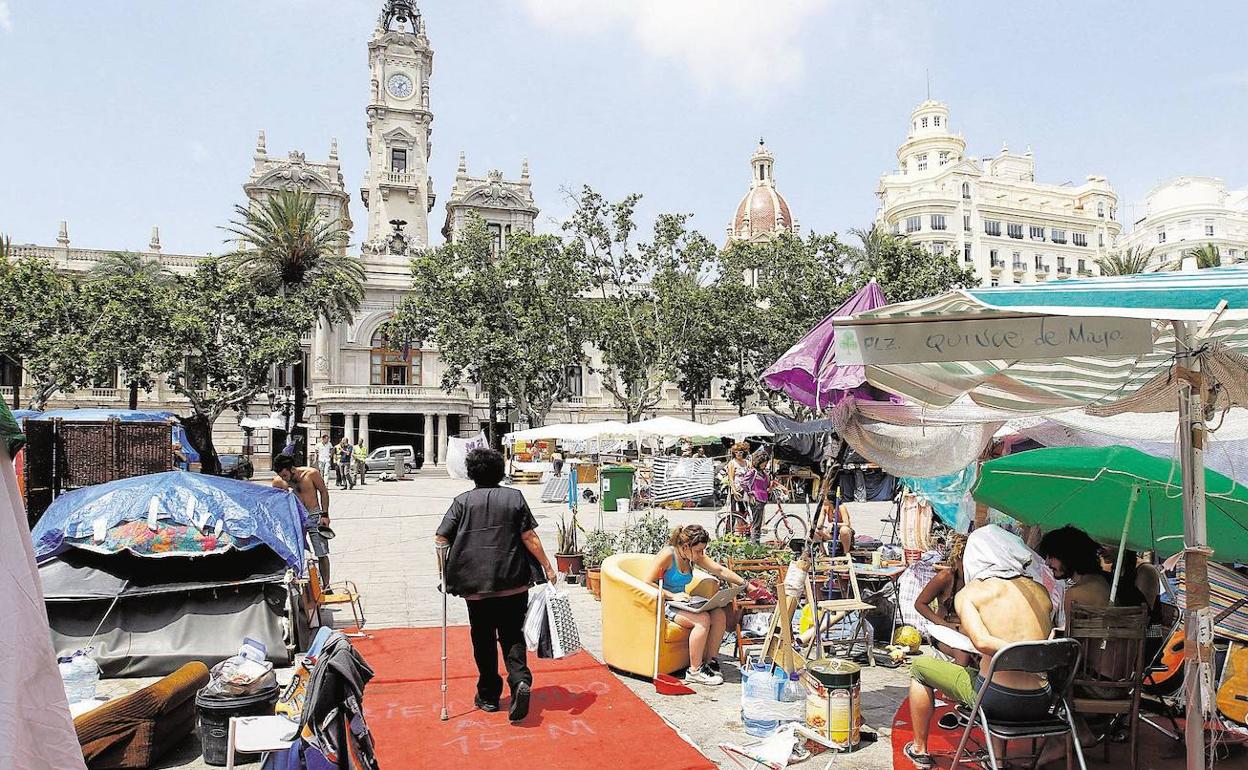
(257, 735)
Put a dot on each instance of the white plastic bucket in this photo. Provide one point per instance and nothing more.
(624, 506)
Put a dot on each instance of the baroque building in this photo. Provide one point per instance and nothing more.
(763, 213)
(992, 212)
(1188, 212)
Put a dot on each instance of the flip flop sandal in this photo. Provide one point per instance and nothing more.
(326, 532)
(922, 761)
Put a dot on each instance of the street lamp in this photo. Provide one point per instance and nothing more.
(283, 400)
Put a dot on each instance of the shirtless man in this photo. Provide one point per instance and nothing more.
(993, 611)
(309, 485)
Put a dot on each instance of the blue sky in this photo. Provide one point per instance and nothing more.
(117, 115)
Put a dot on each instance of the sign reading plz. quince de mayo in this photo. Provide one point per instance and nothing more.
(1030, 338)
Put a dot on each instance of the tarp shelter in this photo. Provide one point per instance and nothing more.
(171, 567)
(126, 415)
(38, 733)
(569, 431)
(668, 427)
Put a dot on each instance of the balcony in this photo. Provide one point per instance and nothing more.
(405, 178)
(997, 266)
(6, 393)
(572, 401)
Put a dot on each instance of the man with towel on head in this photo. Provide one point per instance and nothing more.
(1003, 602)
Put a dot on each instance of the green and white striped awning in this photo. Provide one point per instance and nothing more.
(1031, 386)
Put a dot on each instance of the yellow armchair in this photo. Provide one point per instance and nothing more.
(628, 605)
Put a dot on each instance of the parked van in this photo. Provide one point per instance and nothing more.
(382, 458)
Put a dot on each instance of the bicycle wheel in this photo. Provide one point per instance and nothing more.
(732, 524)
(790, 526)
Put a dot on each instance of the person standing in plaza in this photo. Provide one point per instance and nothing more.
(309, 485)
(344, 456)
(324, 456)
(361, 458)
(490, 541)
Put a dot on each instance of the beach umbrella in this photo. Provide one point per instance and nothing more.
(1142, 343)
(808, 372)
(1116, 494)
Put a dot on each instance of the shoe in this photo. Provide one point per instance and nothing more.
(487, 706)
(713, 665)
(921, 761)
(519, 703)
(703, 675)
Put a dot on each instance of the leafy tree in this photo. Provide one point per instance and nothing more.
(128, 297)
(224, 333)
(127, 264)
(1129, 262)
(285, 245)
(905, 270)
(43, 326)
(1207, 255)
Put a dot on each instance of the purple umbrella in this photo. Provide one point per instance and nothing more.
(808, 372)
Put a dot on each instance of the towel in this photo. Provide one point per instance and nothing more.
(994, 552)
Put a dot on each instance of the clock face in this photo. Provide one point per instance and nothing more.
(399, 85)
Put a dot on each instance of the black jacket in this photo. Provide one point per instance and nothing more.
(484, 526)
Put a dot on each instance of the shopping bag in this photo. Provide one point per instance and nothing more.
(564, 637)
(535, 618)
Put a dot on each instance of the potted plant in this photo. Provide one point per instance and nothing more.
(568, 555)
(598, 546)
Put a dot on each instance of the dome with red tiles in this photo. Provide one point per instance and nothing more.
(763, 212)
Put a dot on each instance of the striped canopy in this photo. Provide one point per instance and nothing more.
(1072, 382)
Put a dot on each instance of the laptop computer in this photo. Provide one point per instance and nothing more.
(721, 598)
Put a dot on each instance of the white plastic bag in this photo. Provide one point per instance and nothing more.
(565, 639)
(535, 617)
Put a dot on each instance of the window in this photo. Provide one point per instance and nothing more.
(575, 377)
(1061, 264)
(922, 159)
(1037, 233)
(944, 157)
(913, 224)
(1039, 261)
(966, 222)
(1161, 236)
(923, 122)
(388, 366)
(496, 236)
(196, 378)
(1083, 266)
(1209, 228)
(994, 282)
(1015, 230)
(938, 221)
(994, 259)
(936, 120)
(938, 248)
(10, 373)
(1019, 264)
(1100, 240)
(966, 191)
(1058, 236)
(109, 380)
(896, 228)
(1079, 239)
(1234, 254)
(762, 172)
(1100, 209)
(992, 227)
(398, 161)
(966, 252)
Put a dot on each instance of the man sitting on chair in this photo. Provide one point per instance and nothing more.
(1002, 603)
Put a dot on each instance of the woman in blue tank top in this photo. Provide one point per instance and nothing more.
(672, 572)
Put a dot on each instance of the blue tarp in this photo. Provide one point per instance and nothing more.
(250, 514)
(125, 415)
(23, 414)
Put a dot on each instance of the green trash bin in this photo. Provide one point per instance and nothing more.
(617, 484)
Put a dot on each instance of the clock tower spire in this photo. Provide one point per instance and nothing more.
(397, 188)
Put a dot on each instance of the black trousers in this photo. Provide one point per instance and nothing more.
(495, 623)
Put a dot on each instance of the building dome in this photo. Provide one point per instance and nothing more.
(763, 212)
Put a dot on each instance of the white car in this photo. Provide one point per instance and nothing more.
(382, 458)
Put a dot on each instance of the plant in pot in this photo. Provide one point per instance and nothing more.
(598, 546)
(568, 554)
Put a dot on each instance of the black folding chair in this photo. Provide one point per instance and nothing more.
(1055, 658)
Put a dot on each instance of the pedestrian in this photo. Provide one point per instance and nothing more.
(309, 485)
(361, 458)
(324, 456)
(345, 457)
(491, 542)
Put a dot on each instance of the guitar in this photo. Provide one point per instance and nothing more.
(1171, 663)
(1233, 694)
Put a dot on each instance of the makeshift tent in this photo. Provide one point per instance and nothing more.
(126, 415)
(34, 716)
(172, 567)
(808, 372)
(749, 426)
(667, 427)
(573, 431)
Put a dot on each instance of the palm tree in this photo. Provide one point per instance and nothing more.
(1206, 256)
(1133, 260)
(284, 242)
(6, 248)
(127, 264)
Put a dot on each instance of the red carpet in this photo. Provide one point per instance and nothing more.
(940, 743)
(580, 715)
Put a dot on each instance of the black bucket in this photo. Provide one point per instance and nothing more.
(214, 721)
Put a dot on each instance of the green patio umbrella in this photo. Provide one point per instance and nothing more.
(1092, 488)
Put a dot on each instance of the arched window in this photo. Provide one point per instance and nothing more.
(391, 366)
(1100, 209)
(966, 191)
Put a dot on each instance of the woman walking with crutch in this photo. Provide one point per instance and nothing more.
(491, 539)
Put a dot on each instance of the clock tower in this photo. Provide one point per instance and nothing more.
(397, 190)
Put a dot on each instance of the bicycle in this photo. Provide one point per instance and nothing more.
(785, 526)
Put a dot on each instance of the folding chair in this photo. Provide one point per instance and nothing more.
(257, 735)
(338, 593)
(1056, 658)
(852, 603)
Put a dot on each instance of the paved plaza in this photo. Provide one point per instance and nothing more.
(385, 545)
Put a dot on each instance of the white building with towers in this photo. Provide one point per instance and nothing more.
(1189, 212)
(992, 212)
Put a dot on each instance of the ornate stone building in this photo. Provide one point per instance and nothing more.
(1006, 225)
(1191, 211)
(763, 212)
(505, 206)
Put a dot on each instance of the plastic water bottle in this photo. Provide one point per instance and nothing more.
(79, 674)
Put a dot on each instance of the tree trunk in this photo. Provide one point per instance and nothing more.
(199, 432)
(17, 395)
(298, 376)
(491, 434)
(134, 395)
(693, 410)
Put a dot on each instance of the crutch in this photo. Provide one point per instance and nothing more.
(442, 548)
